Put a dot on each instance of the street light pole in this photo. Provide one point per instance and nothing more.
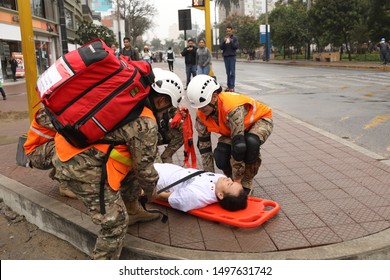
(209, 44)
(28, 49)
(266, 32)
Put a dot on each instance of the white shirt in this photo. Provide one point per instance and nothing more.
(197, 192)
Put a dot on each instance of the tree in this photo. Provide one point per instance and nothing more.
(156, 44)
(378, 19)
(88, 31)
(336, 19)
(138, 15)
(289, 26)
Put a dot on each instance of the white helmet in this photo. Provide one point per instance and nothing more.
(167, 82)
(200, 90)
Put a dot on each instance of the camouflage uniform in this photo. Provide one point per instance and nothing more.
(168, 135)
(238, 170)
(83, 173)
(41, 156)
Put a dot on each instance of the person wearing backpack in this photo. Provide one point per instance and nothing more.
(203, 58)
(39, 147)
(131, 156)
(170, 58)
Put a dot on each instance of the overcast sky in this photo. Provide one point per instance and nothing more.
(168, 15)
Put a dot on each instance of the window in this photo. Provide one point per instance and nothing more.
(69, 19)
(9, 4)
(38, 8)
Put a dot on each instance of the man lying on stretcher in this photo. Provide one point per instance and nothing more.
(198, 191)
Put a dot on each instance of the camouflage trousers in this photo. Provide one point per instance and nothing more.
(42, 155)
(246, 172)
(82, 174)
(175, 136)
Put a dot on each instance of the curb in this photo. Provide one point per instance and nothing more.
(76, 228)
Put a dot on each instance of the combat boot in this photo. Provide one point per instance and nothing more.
(65, 191)
(138, 214)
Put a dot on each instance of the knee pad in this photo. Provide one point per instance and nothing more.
(252, 147)
(238, 147)
(222, 155)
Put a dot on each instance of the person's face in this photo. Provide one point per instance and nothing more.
(201, 44)
(190, 44)
(208, 110)
(113, 47)
(225, 186)
(126, 43)
(162, 101)
(229, 31)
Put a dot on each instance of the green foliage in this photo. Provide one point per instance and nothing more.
(378, 19)
(89, 31)
(156, 44)
(289, 25)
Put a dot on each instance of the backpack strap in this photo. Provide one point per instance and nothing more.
(103, 176)
(181, 180)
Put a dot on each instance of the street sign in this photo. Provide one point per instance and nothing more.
(185, 19)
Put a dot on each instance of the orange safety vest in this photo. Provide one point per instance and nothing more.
(118, 164)
(37, 135)
(227, 101)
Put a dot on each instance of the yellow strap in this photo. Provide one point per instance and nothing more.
(120, 158)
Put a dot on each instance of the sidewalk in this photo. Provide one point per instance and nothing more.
(334, 198)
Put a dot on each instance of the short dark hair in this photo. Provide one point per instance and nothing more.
(126, 38)
(229, 26)
(234, 203)
(190, 40)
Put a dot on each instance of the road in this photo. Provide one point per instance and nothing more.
(353, 104)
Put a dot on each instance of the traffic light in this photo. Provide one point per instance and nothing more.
(197, 3)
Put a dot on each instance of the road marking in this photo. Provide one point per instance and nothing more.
(376, 121)
(369, 94)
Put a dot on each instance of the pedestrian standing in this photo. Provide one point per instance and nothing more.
(115, 49)
(14, 64)
(203, 58)
(2, 90)
(4, 66)
(146, 55)
(229, 46)
(170, 58)
(189, 54)
(383, 50)
(128, 50)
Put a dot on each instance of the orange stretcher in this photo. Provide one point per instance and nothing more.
(257, 212)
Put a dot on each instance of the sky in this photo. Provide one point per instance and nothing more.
(168, 15)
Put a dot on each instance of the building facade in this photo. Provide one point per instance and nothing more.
(46, 29)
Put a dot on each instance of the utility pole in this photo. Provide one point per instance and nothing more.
(28, 49)
(64, 39)
(209, 44)
(309, 43)
(119, 25)
(266, 32)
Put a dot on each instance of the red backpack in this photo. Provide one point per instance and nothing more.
(89, 92)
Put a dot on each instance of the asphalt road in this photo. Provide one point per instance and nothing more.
(353, 104)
